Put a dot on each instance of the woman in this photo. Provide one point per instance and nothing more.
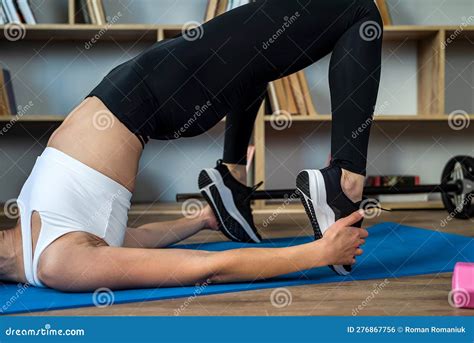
(72, 233)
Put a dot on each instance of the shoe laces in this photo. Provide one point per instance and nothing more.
(254, 188)
(371, 203)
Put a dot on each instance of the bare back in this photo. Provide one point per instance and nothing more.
(92, 135)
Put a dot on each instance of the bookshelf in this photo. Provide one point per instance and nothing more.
(431, 64)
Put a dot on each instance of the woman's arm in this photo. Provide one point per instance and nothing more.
(164, 234)
(89, 268)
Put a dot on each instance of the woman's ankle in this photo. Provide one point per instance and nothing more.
(352, 185)
(238, 171)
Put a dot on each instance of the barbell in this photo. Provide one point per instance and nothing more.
(456, 188)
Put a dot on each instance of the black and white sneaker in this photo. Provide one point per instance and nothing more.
(230, 202)
(324, 202)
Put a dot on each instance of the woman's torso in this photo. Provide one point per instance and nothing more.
(92, 135)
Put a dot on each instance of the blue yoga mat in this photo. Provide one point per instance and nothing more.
(392, 250)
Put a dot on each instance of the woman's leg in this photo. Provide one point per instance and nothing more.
(91, 267)
(164, 234)
(238, 132)
(277, 38)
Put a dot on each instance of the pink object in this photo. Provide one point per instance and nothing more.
(462, 293)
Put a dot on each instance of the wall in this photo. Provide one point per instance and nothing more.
(53, 77)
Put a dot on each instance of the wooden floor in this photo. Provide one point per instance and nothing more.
(421, 295)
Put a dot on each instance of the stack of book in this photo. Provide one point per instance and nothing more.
(217, 7)
(16, 11)
(7, 98)
(93, 11)
(291, 94)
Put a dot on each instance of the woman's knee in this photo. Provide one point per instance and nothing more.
(371, 11)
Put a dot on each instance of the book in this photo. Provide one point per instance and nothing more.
(3, 17)
(384, 12)
(218, 7)
(291, 94)
(221, 7)
(4, 108)
(291, 103)
(298, 94)
(310, 108)
(102, 20)
(90, 10)
(11, 11)
(7, 102)
(211, 10)
(82, 9)
(97, 14)
(25, 10)
(273, 98)
(281, 95)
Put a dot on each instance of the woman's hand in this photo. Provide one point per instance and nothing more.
(342, 241)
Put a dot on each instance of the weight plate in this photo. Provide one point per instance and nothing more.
(459, 168)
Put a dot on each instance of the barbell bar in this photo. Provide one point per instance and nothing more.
(456, 188)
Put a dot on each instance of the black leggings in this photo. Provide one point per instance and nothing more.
(184, 86)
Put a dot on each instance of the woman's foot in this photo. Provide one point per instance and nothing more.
(230, 201)
(209, 219)
(352, 185)
(325, 201)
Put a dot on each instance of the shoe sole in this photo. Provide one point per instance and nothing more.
(312, 189)
(220, 198)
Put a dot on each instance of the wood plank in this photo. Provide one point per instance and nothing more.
(33, 118)
(431, 55)
(84, 32)
(119, 31)
(378, 118)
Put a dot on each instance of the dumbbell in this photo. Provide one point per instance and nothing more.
(456, 188)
